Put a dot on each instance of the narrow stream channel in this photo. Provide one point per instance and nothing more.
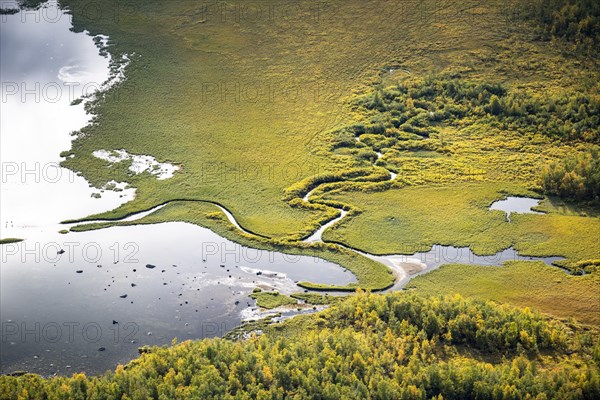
(406, 266)
(86, 301)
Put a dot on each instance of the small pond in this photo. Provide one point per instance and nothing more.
(518, 205)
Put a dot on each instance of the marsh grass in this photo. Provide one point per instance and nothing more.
(186, 101)
(10, 240)
(522, 284)
(317, 299)
(270, 300)
(183, 100)
(413, 219)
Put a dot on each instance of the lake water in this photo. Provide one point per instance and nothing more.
(423, 262)
(57, 310)
(44, 68)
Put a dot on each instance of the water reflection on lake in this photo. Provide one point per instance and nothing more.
(45, 67)
(157, 281)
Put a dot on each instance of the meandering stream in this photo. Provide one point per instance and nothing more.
(86, 301)
(405, 266)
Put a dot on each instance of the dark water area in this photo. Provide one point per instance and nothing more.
(158, 282)
(407, 266)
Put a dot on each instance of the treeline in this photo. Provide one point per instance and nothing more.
(575, 178)
(577, 21)
(415, 108)
(395, 346)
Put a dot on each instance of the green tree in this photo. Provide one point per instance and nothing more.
(495, 106)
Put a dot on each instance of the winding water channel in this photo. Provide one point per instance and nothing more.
(405, 266)
(86, 301)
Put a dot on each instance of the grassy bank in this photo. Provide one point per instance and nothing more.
(270, 300)
(522, 284)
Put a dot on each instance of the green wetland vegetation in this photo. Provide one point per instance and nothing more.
(10, 240)
(271, 300)
(461, 104)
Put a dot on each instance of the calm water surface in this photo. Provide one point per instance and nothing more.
(87, 301)
(518, 205)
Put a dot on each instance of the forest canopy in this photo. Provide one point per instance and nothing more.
(416, 107)
(395, 346)
(576, 177)
(577, 21)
